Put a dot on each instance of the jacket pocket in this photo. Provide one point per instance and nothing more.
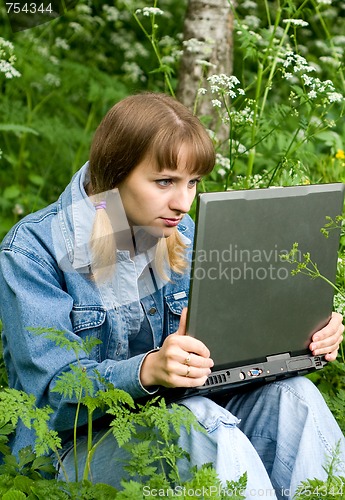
(88, 321)
(175, 302)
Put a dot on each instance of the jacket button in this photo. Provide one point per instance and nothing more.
(152, 311)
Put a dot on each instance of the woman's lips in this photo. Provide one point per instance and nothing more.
(171, 222)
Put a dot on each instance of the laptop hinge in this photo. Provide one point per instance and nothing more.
(278, 357)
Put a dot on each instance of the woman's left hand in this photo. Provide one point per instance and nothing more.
(328, 339)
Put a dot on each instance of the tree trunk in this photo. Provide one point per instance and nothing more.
(207, 37)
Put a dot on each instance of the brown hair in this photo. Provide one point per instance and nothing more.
(140, 125)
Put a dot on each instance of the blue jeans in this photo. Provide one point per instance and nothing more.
(281, 435)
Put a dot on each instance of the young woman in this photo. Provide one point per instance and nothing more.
(109, 259)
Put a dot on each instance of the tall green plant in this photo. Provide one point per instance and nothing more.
(148, 432)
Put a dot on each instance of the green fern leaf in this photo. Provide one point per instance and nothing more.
(17, 129)
(14, 495)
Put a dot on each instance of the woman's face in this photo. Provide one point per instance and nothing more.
(155, 200)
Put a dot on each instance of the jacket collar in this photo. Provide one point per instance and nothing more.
(76, 214)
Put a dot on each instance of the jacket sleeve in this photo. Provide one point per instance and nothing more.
(31, 295)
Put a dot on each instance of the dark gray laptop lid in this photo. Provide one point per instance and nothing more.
(245, 305)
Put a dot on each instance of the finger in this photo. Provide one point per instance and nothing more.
(185, 376)
(193, 372)
(333, 326)
(188, 382)
(193, 359)
(183, 322)
(326, 346)
(186, 345)
(331, 356)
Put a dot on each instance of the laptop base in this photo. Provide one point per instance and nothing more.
(247, 377)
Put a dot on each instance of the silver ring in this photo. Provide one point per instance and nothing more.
(188, 370)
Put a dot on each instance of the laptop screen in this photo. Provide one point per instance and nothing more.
(245, 304)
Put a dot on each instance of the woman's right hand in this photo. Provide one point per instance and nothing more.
(182, 361)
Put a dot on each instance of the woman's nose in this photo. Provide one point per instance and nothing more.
(182, 200)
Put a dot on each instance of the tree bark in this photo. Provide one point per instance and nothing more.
(211, 23)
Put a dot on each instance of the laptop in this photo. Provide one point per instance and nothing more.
(254, 315)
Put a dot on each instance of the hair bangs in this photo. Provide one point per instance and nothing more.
(166, 146)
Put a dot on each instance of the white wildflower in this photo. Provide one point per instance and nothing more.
(241, 149)
(249, 4)
(298, 63)
(335, 97)
(43, 51)
(242, 117)
(216, 103)
(252, 21)
(83, 9)
(61, 43)
(329, 60)
(133, 71)
(76, 27)
(325, 2)
(215, 89)
(8, 70)
(225, 85)
(312, 94)
(320, 44)
(167, 41)
(307, 80)
(52, 80)
(202, 91)
(18, 209)
(54, 60)
(111, 13)
(7, 59)
(168, 59)
(6, 44)
(221, 172)
(196, 46)
(339, 40)
(296, 22)
(223, 161)
(152, 11)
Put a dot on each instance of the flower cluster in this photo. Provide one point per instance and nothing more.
(61, 43)
(242, 116)
(201, 47)
(52, 80)
(297, 62)
(223, 85)
(223, 162)
(7, 59)
(150, 11)
(314, 86)
(296, 22)
(112, 14)
(254, 182)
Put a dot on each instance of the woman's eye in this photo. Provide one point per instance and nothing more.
(194, 182)
(164, 182)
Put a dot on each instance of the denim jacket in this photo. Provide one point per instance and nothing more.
(45, 282)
